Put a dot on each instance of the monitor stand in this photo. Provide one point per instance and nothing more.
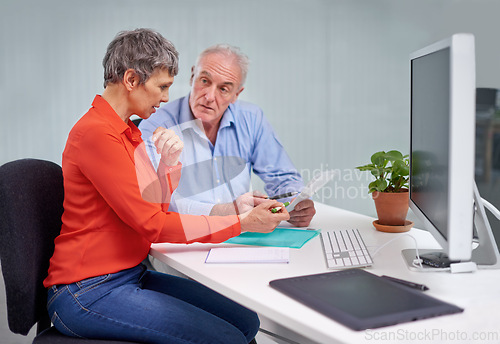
(485, 252)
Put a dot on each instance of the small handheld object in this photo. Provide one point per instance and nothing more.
(406, 283)
(275, 210)
(312, 187)
(285, 195)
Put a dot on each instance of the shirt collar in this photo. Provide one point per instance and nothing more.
(227, 117)
(187, 119)
(110, 115)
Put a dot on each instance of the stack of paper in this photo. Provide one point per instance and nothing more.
(280, 237)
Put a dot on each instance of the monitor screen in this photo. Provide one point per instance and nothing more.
(442, 139)
(430, 137)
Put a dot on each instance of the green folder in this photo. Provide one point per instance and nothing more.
(280, 237)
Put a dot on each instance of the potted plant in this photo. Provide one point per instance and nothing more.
(390, 190)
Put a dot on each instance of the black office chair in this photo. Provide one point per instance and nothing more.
(137, 121)
(31, 205)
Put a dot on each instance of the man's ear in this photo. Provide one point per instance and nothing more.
(130, 79)
(237, 94)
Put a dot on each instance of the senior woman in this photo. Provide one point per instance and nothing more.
(116, 205)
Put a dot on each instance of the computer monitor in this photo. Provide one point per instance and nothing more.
(442, 140)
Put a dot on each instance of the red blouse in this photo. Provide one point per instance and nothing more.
(116, 204)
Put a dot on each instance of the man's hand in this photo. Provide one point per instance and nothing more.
(302, 214)
(261, 219)
(168, 145)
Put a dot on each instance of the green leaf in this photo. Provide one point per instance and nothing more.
(367, 167)
(377, 172)
(378, 159)
(390, 170)
(399, 168)
(394, 155)
(378, 185)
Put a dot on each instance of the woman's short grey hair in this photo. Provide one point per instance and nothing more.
(228, 50)
(142, 50)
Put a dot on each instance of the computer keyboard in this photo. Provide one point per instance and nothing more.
(345, 248)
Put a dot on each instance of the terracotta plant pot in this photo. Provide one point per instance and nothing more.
(392, 207)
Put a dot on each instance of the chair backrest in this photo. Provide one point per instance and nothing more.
(31, 205)
(137, 121)
(486, 97)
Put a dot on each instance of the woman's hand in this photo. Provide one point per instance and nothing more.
(249, 200)
(168, 145)
(262, 219)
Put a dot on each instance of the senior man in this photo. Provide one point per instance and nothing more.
(225, 139)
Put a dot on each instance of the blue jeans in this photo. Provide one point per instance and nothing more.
(148, 307)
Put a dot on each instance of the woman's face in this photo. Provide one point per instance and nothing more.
(148, 96)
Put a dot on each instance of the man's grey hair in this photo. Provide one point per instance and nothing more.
(228, 50)
(142, 50)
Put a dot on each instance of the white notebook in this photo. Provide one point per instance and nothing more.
(248, 255)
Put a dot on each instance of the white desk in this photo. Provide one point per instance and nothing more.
(478, 293)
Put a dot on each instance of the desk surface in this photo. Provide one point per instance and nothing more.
(478, 293)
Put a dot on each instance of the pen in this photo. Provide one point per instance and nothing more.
(275, 210)
(285, 195)
(406, 283)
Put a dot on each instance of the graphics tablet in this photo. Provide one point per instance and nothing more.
(361, 300)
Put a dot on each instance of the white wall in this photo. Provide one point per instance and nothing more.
(331, 75)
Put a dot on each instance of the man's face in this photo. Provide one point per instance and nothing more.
(215, 83)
